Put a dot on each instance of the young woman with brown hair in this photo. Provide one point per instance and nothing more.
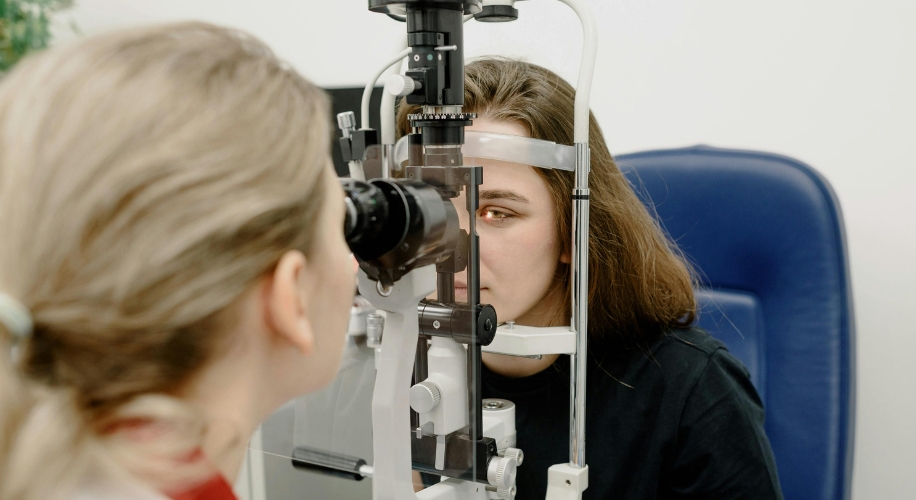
(671, 414)
(172, 261)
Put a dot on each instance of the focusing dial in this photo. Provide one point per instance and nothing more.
(429, 117)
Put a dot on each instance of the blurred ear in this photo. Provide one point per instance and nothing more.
(287, 302)
(565, 258)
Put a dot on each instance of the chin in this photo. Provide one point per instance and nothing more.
(514, 366)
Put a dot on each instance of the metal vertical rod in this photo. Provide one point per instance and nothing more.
(420, 371)
(473, 203)
(421, 364)
(579, 361)
(445, 287)
(387, 160)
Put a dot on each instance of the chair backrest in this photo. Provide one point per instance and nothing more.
(765, 233)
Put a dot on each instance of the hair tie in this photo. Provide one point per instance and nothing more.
(15, 317)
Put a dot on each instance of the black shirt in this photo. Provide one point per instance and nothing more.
(679, 420)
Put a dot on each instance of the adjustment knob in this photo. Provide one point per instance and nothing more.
(505, 472)
(401, 85)
(346, 121)
(506, 493)
(424, 397)
(516, 454)
(501, 472)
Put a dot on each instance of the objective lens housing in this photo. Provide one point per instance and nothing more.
(394, 226)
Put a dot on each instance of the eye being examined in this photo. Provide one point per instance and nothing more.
(494, 216)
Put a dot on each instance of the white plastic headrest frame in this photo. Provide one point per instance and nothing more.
(510, 148)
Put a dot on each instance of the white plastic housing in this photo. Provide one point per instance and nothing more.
(499, 423)
(448, 371)
(392, 479)
(566, 482)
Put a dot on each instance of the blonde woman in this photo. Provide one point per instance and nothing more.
(172, 263)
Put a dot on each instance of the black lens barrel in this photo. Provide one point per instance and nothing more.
(394, 226)
(367, 206)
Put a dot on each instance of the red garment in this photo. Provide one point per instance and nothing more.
(215, 489)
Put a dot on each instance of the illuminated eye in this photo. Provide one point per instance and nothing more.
(492, 215)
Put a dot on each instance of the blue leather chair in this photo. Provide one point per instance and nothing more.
(766, 234)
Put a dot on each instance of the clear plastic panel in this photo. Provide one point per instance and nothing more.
(332, 426)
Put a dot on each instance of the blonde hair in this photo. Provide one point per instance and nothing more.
(639, 283)
(148, 178)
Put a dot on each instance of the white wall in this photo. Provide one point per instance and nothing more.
(829, 82)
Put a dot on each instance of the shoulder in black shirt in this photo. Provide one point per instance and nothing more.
(680, 420)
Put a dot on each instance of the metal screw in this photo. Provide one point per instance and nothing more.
(375, 326)
(383, 290)
(493, 405)
(416, 57)
(510, 325)
(488, 325)
(436, 324)
(467, 176)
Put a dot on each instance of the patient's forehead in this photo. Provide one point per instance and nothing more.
(498, 127)
(506, 181)
(498, 169)
(505, 175)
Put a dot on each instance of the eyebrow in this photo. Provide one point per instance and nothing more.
(502, 194)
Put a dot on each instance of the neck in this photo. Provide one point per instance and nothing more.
(230, 395)
(227, 439)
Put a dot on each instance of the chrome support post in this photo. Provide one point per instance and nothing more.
(387, 160)
(579, 360)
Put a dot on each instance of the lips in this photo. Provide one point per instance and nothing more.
(462, 284)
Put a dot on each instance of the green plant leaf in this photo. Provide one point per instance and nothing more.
(25, 26)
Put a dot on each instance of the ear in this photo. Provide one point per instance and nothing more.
(565, 258)
(286, 302)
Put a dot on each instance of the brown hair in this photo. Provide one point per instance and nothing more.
(148, 178)
(639, 284)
